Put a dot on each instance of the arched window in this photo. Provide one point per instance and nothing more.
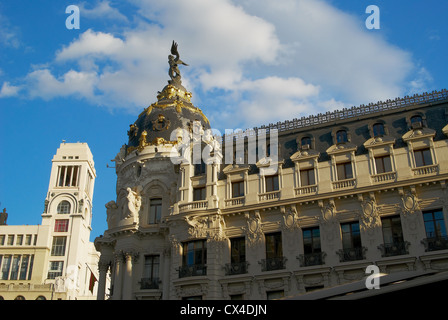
(41, 298)
(64, 207)
(378, 129)
(341, 136)
(20, 298)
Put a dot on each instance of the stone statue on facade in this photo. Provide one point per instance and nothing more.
(134, 203)
(174, 61)
(3, 217)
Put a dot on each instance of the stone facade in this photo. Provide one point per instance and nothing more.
(55, 260)
(349, 189)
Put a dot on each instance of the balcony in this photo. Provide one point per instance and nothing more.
(344, 184)
(192, 270)
(425, 170)
(394, 249)
(195, 205)
(149, 283)
(236, 268)
(384, 177)
(351, 254)
(235, 201)
(267, 196)
(312, 189)
(270, 264)
(435, 243)
(312, 259)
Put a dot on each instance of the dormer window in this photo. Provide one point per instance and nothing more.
(378, 130)
(416, 122)
(305, 143)
(341, 136)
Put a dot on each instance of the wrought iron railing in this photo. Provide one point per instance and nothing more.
(236, 268)
(270, 264)
(192, 270)
(312, 259)
(149, 283)
(435, 243)
(352, 254)
(394, 249)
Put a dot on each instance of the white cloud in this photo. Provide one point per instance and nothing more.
(8, 90)
(265, 60)
(102, 10)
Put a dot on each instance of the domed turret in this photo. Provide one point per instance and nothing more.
(158, 123)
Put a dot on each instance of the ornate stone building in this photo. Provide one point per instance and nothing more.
(55, 260)
(326, 196)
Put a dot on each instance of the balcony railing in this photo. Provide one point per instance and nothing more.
(273, 195)
(271, 264)
(306, 190)
(149, 283)
(312, 259)
(192, 270)
(236, 268)
(351, 254)
(421, 171)
(342, 184)
(394, 249)
(195, 205)
(435, 243)
(235, 201)
(384, 177)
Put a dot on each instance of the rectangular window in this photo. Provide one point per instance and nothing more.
(19, 240)
(383, 164)
(392, 231)
(150, 278)
(194, 253)
(237, 189)
(10, 240)
(2, 239)
(271, 183)
(68, 176)
(434, 224)
(307, 177)
(61, 225)
(155, 211)
(238, 250)
(194, 259)
(28, 239)
(6, 265)
(351, 242)
(274, 248)
(58, 246)
(24, 267)
(199, 194)
(55, 269)
(422, 157)
(311, 240)
(15, 268)
(351, 236)
(344, 170)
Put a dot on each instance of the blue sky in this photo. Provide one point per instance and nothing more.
(251, 62)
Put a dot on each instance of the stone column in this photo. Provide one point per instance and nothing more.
(130, 257)
(118, 276)
(103, 267)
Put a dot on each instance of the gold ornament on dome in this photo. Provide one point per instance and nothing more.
(161, 123)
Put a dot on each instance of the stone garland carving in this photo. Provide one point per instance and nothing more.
(369, 217)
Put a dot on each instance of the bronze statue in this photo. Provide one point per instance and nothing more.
(174, 61)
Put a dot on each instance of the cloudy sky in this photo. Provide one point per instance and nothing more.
(251, 62)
